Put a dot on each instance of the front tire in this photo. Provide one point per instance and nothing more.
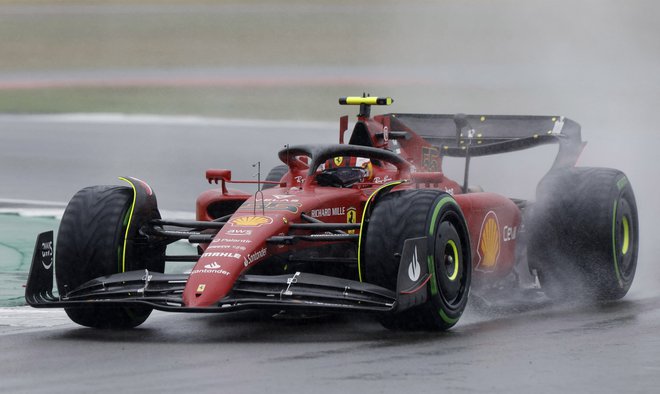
(584, 234)
(402, 215)
(90, 244)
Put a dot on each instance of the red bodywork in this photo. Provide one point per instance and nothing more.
(493, 220)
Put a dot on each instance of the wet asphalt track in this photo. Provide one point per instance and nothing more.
(607, 348)
(522, 346)
(49, 158)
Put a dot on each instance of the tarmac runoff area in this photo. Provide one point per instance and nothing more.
(514, 345)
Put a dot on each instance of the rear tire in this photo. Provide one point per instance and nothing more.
(583, 238)
(90, 244)
(275, 175)
(402, 215)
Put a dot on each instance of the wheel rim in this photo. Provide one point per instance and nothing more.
(451, 259)
(624, 240)
(626, 235)
(451, 273)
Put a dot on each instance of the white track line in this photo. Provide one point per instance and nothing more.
(20, 319)
(32, 202)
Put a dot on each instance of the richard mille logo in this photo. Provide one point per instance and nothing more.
(414, 268)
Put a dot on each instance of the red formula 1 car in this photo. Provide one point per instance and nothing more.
(372, 225)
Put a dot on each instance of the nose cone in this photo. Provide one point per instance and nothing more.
(212, 278)
(237, 246)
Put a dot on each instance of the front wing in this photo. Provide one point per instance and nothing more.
(164, 291)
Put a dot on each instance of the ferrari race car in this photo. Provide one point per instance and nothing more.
(371, 225)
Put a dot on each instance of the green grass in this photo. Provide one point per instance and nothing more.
(296, 104)
(218, 38)
(287, 34)
(315, 103)
(18, 235)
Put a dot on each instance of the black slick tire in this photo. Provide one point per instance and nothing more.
(584, 232)
(402, 215)
(90, 244)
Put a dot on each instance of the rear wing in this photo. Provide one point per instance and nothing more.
(480, 135)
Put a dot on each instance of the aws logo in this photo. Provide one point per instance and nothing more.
(488, 247)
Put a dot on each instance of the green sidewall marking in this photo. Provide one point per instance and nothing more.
(364, 216)
(130, 219)
(436, 211)
(434, 286)
(621, 183)
(614, 248)
(453, 276)
(120, 248)
(446, 318)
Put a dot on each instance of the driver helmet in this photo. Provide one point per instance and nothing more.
(350, 161)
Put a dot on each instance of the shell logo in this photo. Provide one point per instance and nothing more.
(488, 247)
(251, 221)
